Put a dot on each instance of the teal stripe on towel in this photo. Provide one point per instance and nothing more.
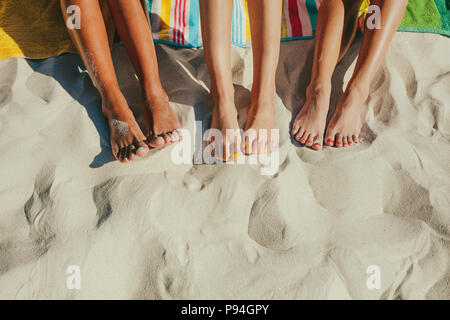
(194, 18)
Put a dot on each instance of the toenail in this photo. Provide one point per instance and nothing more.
(247, 147)
(345, 143)
(356, 142)
(303, 140)
(339, 143)
(121, 159)
(141, 148)
(235, 155)
(330, 140)
(309, 141)
(317, 144)
(132, 156)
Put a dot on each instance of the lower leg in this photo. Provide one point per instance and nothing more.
(309, 125)
(345, 125)
(216, 17)
(92, 43)
(134, 30)
(265, 24)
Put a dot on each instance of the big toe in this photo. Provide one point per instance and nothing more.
(156, 142)
(141, 149)
(317, 144)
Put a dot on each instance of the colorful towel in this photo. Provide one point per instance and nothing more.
(177, 22)
(36, 29)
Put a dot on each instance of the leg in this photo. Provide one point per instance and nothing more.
(91, 41)
(216, 16)
(309, 124)
(265, 24)
(132, 25)
(346, 122)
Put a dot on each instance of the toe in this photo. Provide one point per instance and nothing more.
(167, 138)
(344, 142)
(355, 139)
(317, 144)
(338, 140)
(175, 136)
(330, 141)
(350, 141)
(254, 146)
(115, 151)
(156, 142)
(299, 135)
(310, 140)
(295, 129)
(304, 137)
(141, 148)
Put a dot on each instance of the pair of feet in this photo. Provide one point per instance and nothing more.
(257, 136)
(345, 125)
(127, 139)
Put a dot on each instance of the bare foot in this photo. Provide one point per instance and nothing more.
(224, 119)
(162, 123)
(127, 139)
(260, 122)
(309, 124)
(345, 125)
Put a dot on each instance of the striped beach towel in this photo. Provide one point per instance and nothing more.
(177, 22)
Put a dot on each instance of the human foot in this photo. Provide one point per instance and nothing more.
(258, 129)
(345, 125)
(224, 119)
(162, 123)
(309, 124)
(127, 139)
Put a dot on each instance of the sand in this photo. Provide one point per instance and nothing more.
(368, 222)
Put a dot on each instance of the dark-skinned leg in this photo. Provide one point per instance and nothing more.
(345, 125)
(91, 41)
(309, 125)
(132, 25)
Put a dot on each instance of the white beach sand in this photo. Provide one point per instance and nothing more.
(152, 229)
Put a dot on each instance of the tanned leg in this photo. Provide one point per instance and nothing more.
(134, 30)
(91, 41)
(309, 125)
(216, 17)
(265, 23)
(345, 125)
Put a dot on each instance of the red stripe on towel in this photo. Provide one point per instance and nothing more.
(294, 16)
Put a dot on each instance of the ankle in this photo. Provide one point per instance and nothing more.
(357, 90)
(113, 101)
(318, 88)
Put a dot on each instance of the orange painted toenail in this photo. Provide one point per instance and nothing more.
(303, 140)
(338, 143)
(350, 142)
(330, 140)
(317, 144)
(356, 142)
(309, 141)
(345, 144)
